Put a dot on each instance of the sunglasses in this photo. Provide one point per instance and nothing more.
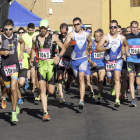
(6, 29)
(76, 24)
(20, 32)
(113, 27)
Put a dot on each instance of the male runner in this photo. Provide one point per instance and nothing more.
(27, 37)
(24, 66)
(3, 90)
(46, 44)
(134, 59)
(10, 64)
(113, 56)
(79, 58)
(128, 30)
(123, 74)
(64, 63)
(98, 67)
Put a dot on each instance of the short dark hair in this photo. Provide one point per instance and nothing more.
(77, 18)
(114, 21)
(134, 22)
(64, 25)
(21, 28)
(128, 27)
(88, 28)
(119, 26)
(100, 30)
(123, 30)
(97, 31)
(8, 22)
(31, 25)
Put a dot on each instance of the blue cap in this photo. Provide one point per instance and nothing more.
(88, 31)
(83, 26)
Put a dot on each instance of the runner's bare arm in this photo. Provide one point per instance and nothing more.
(89, 40)
(22, 47)
(27, 49)
(5, 53)
(68, 40)
(59, 43)
(126, 45)
(101, 43)
(33, 49)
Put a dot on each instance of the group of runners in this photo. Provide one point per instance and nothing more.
(46, 60)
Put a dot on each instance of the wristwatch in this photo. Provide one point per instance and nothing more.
(59, 56)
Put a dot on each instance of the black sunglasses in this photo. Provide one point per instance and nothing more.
(6, 29)
(20, 32)
(113, 27)
(76, 24)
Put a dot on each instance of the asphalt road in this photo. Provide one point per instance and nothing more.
(94, 122)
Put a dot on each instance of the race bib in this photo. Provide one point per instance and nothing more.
(98, 55)
(110, 65)
(21, 64)
(44, 54)
(134, 49)
(64, 63)
(9, 70)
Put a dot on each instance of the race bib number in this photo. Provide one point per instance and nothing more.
(21, 64)
(64, 63)
(134, 49)
(110, 65)
(9, 70)
(98, 55)
(44, 54)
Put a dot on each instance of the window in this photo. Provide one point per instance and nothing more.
(57, 1)
(135, 3)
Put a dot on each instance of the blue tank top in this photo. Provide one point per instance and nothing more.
(98, 58)
(79, 49)
(115, 52)
(134, 46)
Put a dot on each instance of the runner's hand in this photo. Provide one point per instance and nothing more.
(128, 54)
(123, 57)
(31, 62)
(21, 56)
(94, 64)
(56, 60)
(5, 53)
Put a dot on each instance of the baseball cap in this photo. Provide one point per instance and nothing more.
(83, 26)
(44, 23)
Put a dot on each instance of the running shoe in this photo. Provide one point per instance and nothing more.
(20, 101)
(117, 103)
(113, 91)
(91, 95)
(3, 102)
(14, 117)
(124, 97)
(17, 109)
(67, 86)
(133, 103)
(62, 100)
(46, 117)
(81, 105)
(32, 95)
(38, 98)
